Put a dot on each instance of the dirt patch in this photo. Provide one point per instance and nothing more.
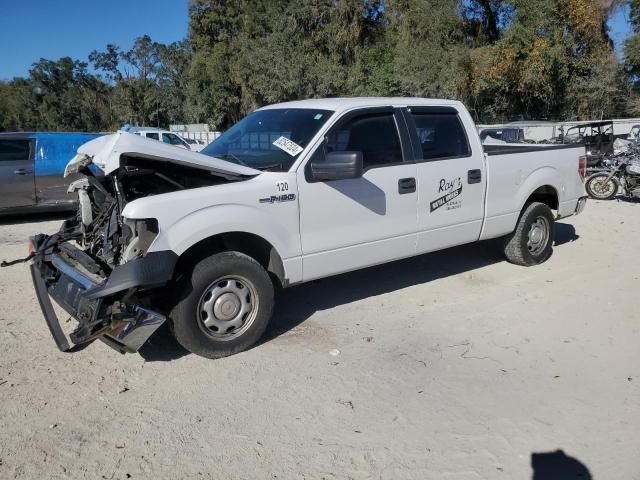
(451, 365)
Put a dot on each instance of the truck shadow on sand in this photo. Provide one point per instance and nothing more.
(558, 466)
(296, 304)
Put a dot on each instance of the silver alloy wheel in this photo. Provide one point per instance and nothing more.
(228, 307)
(603, 187)
(538, 236)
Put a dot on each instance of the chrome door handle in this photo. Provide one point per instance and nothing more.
(22, 171)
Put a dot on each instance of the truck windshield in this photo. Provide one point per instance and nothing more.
(269, 139)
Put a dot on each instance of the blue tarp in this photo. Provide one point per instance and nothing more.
(54, 150)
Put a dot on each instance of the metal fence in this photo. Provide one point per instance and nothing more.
(206, 137)
(544, 130)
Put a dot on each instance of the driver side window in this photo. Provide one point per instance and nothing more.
(375, 135)
(14, 150)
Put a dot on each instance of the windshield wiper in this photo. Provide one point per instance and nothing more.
(231, 156)
(227, 156)
(277, 166)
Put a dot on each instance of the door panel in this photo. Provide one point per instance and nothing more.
(451, 179)
(348, 224)
(16, 172)
(353, 223)
(449, 207)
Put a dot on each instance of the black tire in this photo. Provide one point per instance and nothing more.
(232, 274)
(518, 245)
(595, 186)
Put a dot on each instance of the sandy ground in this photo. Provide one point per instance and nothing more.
(454, 365)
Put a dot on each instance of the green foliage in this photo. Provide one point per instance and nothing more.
(554, 60)
(426, 39)
(247, 54)
(632, 58)
(58, 95)
(504, 58)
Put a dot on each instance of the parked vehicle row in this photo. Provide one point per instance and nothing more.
(164, 136)
(31, 170)
(195, 145)
(597, 137)
(618, 172)
(502, 135)
(294, 192)
(32, 166)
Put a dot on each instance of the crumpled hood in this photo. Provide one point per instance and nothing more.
(105, 153)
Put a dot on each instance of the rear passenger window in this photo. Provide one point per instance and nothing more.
(441, 135)
(375, 135)
(154, 136)
(12, 150)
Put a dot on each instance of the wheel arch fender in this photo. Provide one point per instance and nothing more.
(238, 227)
(542, 186)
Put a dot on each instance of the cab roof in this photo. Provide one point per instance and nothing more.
(349, 103)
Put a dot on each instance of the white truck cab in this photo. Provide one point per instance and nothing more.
(164, 136)
(294, 192)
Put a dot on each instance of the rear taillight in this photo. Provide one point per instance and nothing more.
(582, 166)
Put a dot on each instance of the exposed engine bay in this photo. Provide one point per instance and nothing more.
(100, 267)
(99, 228)
(97, 267)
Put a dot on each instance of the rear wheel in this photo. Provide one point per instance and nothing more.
(531, 242)
(601, 187)
(224, 307)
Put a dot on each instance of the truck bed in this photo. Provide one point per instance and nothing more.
(515, 168)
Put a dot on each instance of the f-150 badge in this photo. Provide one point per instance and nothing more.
(452, 189)
(287, 197)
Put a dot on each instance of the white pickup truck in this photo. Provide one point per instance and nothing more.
(294, 192)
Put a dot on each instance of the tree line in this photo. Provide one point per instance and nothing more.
(505, 59)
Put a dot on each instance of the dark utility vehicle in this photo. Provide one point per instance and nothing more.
(597, 137)
(509, 135)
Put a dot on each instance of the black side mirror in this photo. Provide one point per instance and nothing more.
(337, 166)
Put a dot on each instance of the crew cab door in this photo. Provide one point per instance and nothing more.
(16, 172)
(353, 223)
(451, 177)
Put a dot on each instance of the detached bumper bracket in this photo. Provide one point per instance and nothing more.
(154, 269)
(582, 202)
(47, 309)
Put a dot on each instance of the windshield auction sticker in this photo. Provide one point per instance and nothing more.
(289, 146)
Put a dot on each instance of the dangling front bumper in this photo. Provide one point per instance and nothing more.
(103, 307)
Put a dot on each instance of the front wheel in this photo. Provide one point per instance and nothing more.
(531, 242)
(601, 186)
(224, 306)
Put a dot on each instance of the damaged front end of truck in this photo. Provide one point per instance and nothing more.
(98, 267)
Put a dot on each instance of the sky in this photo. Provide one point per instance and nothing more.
(619, 28)
(31, 29)
(34, 29)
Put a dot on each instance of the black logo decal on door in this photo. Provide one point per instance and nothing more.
(452, 189)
